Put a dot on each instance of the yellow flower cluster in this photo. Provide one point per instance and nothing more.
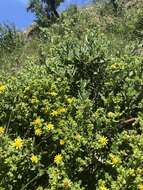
(37, 122)
(103, 141)
(34, 159)
(62, 142)
(70, 100)
(117, 66)
(1, 130)
(114, 66)
(58, 159)
(17, 143)
(50, 126)
(38, 131)
(140, 186)
(2, 88)
(58, 111)
(114, 159)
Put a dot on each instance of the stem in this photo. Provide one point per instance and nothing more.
(29, 182)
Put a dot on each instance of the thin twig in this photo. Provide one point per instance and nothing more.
(29, 182)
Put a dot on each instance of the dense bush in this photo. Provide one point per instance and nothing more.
(72, 116)
(10, 39)
(12, 45)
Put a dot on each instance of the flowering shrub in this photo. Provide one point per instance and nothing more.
(72, 117)
(53, 140)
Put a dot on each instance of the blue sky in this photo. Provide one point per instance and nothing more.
(14, 11)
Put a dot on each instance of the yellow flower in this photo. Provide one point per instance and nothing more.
(2, 88)
(38, 132)
(37, 122)
(61, 110)
(70, 100)
(17, 143)
(1, 130)
(58, 111)
(114, 159)
(140, 186)
(103, 140)
(50, 126)
(114, 66)
(62, 142)
(66, 183)
(34, 159)
(103, 188)
(58, 159)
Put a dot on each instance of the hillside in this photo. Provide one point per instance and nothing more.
(71, 104)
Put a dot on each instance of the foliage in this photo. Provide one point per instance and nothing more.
(43, 11)
(9, 38)
(71, 117)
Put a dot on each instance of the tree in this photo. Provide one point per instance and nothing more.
(45, 10)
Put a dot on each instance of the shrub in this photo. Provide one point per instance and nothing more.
(10, 39)
(12, 45)
(52, 139)
(71, 117)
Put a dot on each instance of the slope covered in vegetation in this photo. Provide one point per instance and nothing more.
(71, 104)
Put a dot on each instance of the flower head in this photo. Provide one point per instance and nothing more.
(103, 141)
(17, 143)
(58, 159)
(62, 142)
(114, 66)
(1, 130)
(37, 122)
(66, 183)
(70, 100)
(2, 88)
(140, 186)
(38, 132)
(34, 159)
(50, 126)
(58, 111)
(114, 159)
(61, 110)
